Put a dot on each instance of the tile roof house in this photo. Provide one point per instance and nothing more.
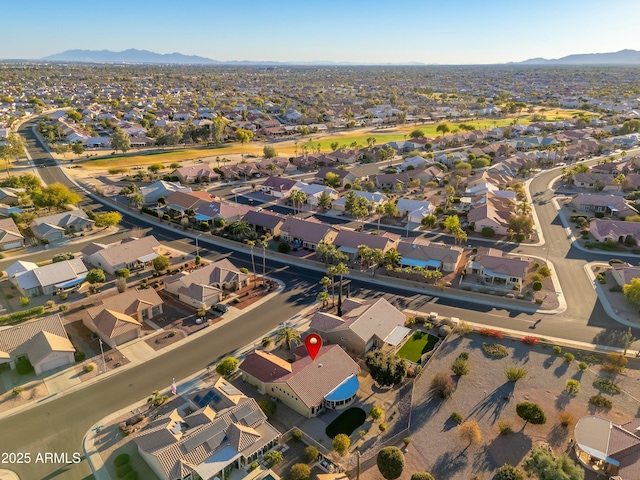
(159, 189)
(365, 324)
(43, 341)
(608, 447)
(345, 175)
(623, 273)
(432, 256)
(31, 280)
(264, 221)
(375, 198)
(593, 180)
(200, 173)
(494, 213)
(609, 205)
(55, 227)
(279, 187)
(205, 286)
(227, 211)
(414, 210)
(118, 319)
(389, 180)
(307, 386)
(131, 253)
(306, 233)
(496, 270)
(348, 241)
(213, 431)
(615, 230)
(10, 236)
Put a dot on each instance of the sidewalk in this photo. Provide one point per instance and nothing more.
(137, 351)
(184, 386)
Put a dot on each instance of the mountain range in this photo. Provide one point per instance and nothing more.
(623, 57)
(132, 55)
(146, 57)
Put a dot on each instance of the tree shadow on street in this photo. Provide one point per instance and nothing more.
(610, 337)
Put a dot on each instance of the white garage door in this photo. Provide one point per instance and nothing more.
(54, 363)
(9, 246)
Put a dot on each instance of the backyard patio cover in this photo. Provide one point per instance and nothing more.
(396, 335)
(148, 257)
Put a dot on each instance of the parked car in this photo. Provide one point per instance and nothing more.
(221, 307)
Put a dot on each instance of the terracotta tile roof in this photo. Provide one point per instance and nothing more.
(15, 340)
(306, 230)
(265, 366)
(312, 380)
(112, 323)
(353, 239)
(44, 343)
(133, 301)
(128, 252)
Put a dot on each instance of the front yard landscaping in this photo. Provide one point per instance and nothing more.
(347, 422)
(417, 345)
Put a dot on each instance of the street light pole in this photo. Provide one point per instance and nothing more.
(197, 246)
(104, 365)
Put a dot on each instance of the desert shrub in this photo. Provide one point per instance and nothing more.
(566, 419)
(537, 286)
(254, 465)
(557, 349)
(495, 350)
(296, 435)
(121, 459)
(266, 341)
(607, 385)
(505, 427)
(376, 412)
(601, 401)
(460, 367)
(568, 357)
(89, 367)
(530, 340)
(310, 453)
(406, 441)
(442, 384)
(382, 427)
(456, 417)
(122, 470)
(24, 301)
(79, 356)
(490, 332)
(572, 386)
(583, 366)
(284, 247)
(509, 472)
(615, 362)
(514, 374)
(17, 391)
(463, 328)
(272, 458)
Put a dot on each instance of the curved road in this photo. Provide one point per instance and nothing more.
(59, 425)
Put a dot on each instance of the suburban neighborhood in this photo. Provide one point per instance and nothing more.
(265, 272)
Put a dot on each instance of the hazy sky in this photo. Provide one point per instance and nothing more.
(367, 31)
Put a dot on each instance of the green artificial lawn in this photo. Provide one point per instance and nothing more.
(418, 344)
(347, 422)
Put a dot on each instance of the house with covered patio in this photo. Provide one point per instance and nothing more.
(428, 255)
(607, 448)
(497, 271)
(307, 386)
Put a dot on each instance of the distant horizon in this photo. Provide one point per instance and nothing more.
(288, 62)
(458, 32)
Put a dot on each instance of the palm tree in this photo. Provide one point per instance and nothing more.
(332, 272)
(365, 253)
(264, 262)
(324, 298)
(240, 228)
(390, 209)
(297, 197)
(288, 335)
(341, 269)
(380, 212)
(136, 199)
(324, 283)
(252, 244)
(392, 257)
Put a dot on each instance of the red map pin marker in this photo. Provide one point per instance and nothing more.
(313, 343)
